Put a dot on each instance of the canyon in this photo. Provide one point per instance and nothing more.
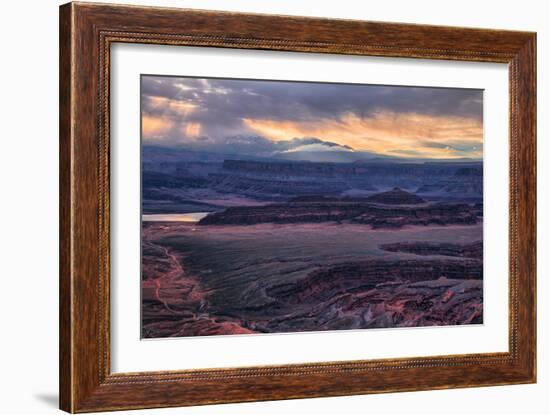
(391, 209)
(272, 278)
(292, 246)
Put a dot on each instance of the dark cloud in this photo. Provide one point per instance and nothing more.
(219, 106)
(233, 99)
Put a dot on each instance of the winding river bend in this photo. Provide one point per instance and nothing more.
(175, 217)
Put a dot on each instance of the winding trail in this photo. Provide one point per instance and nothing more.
(176, 271)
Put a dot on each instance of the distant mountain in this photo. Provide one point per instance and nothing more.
(297, 149)
(466, 181)
(327, 156)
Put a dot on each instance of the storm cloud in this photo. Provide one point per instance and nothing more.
(213, 114)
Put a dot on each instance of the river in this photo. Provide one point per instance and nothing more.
(175, 217)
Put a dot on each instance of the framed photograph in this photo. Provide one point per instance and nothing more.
(260, 207)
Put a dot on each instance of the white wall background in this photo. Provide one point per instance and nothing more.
(29, 189)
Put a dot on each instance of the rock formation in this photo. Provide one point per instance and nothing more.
(396, 197)
(392, 209)
(474, 250)
(466, 181)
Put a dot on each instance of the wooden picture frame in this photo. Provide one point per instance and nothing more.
(86, 33)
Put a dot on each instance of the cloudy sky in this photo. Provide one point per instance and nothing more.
(272, 117)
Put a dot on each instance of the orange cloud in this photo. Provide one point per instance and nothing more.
(154, 127)
(192, 129)
(386, 133)
(182, 108)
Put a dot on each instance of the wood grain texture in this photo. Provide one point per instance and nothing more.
(86, 33)
(65, 246)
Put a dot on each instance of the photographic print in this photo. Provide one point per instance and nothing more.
(275, 206)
